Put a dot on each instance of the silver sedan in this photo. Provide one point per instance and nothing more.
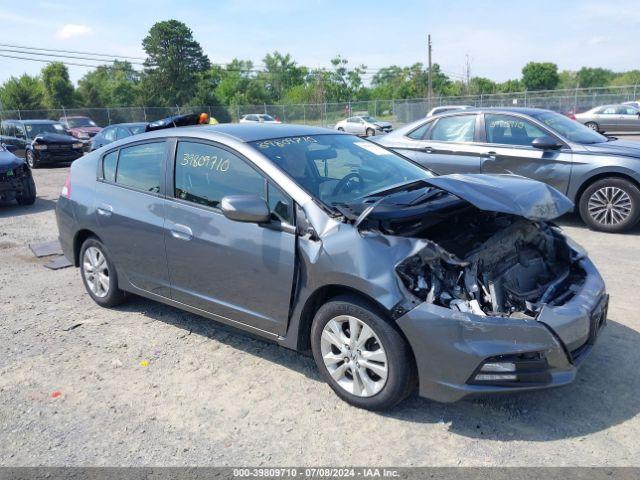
(607, 118)
(364, 125)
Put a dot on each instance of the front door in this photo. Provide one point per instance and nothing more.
(629, 119)
(241, 271)
(509, 150)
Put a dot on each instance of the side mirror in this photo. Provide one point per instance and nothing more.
(546, 143)
(245, 208)
(10, 148)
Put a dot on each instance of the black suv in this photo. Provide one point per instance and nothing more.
(40, 141)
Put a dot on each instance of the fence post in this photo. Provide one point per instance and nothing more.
(108, 116)
(304, 114)
(144, 112)
(634, 92)
(284, 117)
(19, 116)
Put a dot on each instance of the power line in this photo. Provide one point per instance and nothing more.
(54, 61)
(70, 51)
(61, 56)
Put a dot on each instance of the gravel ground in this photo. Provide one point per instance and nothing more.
(146, 384)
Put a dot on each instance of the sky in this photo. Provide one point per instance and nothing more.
(500, 37)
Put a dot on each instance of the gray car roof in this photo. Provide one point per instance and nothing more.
(247, 132)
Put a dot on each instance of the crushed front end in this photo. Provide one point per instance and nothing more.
(494, 301)
(13, 177)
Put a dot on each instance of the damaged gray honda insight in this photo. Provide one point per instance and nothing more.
(392, 277)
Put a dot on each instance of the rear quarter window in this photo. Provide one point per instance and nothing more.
(140, 166)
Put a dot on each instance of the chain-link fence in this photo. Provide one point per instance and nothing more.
(327, 114)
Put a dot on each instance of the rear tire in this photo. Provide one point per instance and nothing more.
(340, 129)
(610, 205)
(374, 370)
(28, 194)
(99, 274)
(593, 126)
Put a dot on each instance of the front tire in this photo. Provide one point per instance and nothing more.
(31, 159)
(99, 274)
(610, 205)
(360, 355)
(28, 194)
(370, 132)
(340, 129)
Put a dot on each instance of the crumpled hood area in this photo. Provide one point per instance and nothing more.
(510, 194)
(8, 161)
(54, 138)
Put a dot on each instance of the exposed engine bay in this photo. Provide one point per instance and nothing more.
(490, 263)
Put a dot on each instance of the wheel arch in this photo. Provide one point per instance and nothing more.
(599, 176)
(78, 240)
(323, 295)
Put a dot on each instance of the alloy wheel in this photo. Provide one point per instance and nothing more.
(610, 205)
(354, 356)
(96, 271)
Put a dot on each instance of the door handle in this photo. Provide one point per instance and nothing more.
(427, 149)
(105, 210)
(181, 232)
(491, 155)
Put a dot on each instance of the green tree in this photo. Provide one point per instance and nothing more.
(281, 74)
(632, 77)
(58, 89)
(23, 93)
(540, 76)
(567, 79)
(116, 85)
(594, 77)
(343, 83)
(510, 86)
(174, 61)
(238, 85)
(481, 85)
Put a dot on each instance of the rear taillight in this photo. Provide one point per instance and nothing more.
(572, 116)
(66, 190)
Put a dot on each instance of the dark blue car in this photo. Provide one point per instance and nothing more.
(16, 181)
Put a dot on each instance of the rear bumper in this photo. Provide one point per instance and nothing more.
(65, 219)
(450, 347)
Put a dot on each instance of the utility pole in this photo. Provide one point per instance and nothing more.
(429, 71)
(467, 73)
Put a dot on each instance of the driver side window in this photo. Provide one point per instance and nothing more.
(508, 130)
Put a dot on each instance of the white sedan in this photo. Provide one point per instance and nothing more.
(363, 125)
(258, 118)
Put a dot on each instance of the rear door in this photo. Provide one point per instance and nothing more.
(629, 118)
(508, 149)
(130, 210)
(447, 145)
(242, 272)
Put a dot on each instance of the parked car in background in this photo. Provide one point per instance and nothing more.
(116, 132)
(16, 181)
(447, 108)
(364, 125)
(635, 103)
(41, 141)
(600, 175)
(607, 118)
(80, 127)
(325, 242)
(258, 118)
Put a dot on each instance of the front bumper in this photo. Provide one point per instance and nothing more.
(11, 185)
(58, 156)
(449, 346)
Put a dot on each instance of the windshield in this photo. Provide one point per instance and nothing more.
(35, 129)
(136, 129)
(266, 118)
(370, 119)
(338, 169)
(570, 129)
(80, 122)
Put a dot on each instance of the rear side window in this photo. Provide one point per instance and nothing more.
(109, 163)
(206, 173)
(140, 166)
(420, 132)
(460, 128)
(508, 130)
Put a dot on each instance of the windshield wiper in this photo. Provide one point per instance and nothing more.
(393, 189)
